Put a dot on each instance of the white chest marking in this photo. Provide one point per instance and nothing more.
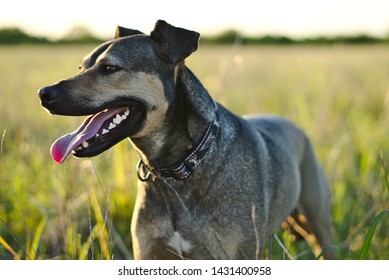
(180, 244)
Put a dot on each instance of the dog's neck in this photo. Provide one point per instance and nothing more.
(187, 121)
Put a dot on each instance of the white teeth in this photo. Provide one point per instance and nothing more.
(111, 126)
(115, 121)
(118, 119)
(77, 149)
(85, 144)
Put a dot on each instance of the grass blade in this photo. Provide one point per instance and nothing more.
(6, 246)
(100, 224)
(370, 234)
(37, 237)
(386, 173)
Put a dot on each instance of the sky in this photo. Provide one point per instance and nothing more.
(297, 18)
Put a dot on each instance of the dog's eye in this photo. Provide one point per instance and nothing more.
(108, 69)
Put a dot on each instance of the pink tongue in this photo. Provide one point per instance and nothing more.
(64, 145)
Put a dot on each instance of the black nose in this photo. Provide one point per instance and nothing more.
(48, 94)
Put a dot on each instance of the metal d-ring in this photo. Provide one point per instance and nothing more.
(138, 167)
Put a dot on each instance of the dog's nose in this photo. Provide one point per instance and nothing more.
(48, 94)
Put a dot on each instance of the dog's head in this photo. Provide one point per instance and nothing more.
(126, 86)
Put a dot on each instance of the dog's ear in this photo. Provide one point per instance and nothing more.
(173, 44)
(124, 32)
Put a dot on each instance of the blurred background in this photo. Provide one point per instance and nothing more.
(322, 64)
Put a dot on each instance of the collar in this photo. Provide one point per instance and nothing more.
(185, 168)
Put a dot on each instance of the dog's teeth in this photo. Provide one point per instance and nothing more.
(115, 121)
(118, 119)
(85, 144)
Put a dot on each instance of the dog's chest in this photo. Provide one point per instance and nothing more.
(179, 244)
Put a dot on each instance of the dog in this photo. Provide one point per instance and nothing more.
(212, 185)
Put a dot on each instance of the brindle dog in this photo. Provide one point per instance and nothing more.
(212, 185)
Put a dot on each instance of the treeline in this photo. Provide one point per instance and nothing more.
(80, 35)
(232, 36)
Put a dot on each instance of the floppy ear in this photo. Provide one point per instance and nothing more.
(123, 32)
(173, 44)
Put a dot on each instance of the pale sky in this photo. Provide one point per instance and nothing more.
(290, 17)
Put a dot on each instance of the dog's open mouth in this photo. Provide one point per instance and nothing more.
(98, 133)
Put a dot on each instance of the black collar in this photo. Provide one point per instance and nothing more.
(193, 158)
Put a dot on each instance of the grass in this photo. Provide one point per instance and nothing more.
(82, 209)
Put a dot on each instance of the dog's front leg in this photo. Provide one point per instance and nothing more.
(151, 227)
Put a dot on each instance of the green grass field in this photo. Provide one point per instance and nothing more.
(82, 209)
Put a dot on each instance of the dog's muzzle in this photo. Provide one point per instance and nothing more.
(106, 125)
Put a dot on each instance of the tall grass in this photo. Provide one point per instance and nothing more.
(82, 209)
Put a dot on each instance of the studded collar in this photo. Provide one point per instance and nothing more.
(191, 160)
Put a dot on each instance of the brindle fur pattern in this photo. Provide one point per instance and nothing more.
(260, 163)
